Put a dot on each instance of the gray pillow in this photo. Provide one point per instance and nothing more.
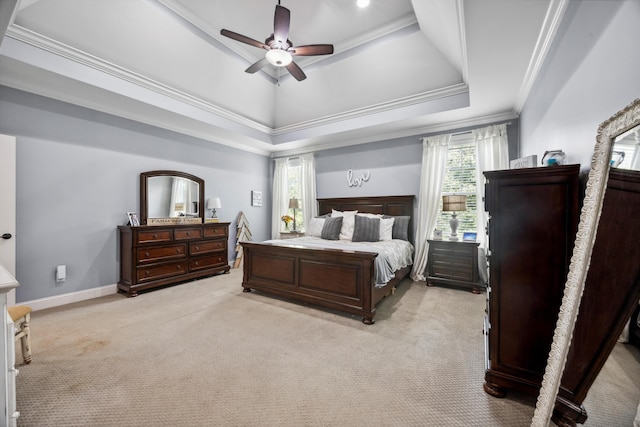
(331, 228)
(366, 229)
(400, 227)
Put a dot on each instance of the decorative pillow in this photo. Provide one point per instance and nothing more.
(331, 228)
(400, 227)
(347, 223)
(314, 229)
(386, 228)
(386, 225)
(366, 229)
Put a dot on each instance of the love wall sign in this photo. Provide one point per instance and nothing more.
(353, 181)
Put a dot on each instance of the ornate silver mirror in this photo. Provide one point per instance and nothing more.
(616, 135)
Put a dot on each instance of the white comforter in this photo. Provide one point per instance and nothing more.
(392, 254)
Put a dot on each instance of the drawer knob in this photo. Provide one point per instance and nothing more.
(188, 233)
(196, 263)
(146, 273)
(179, 267)
(177, 250)
(146, 254)
(197, 248)
(155, 236)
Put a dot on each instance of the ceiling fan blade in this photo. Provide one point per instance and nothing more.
(296, 71)
(257, 66)
(312, 49)
(281, 23)
(243, 39)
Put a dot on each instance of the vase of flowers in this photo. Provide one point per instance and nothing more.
(287, 219)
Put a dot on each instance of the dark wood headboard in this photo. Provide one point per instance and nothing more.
(386, 205)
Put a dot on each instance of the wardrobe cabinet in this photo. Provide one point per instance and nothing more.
(533, 219)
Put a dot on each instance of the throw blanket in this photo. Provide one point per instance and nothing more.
(392, 254)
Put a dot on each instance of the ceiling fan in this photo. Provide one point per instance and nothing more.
(280, 50)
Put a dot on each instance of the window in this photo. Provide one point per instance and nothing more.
(460, 178)
(294, 179)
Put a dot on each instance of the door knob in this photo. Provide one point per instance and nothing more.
(6, 236)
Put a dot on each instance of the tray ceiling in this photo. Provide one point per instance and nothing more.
(400, 67)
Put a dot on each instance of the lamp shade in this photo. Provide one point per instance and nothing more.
(454, 203)
(214, 203)
(294, 203)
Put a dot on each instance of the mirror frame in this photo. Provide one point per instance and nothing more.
(619, 123)
(144, 180)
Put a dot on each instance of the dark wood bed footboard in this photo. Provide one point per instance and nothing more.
(328, 278)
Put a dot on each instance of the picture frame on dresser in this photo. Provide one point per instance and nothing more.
(133, 219)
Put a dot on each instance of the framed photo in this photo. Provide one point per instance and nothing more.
(437, 234)
(256, 198)
(469, 237)
(133, 219)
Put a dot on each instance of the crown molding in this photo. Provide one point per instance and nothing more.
(420, 98)
(418, 132)
(552, 21)
(83, 58)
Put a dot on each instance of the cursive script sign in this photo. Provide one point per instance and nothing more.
(352, 182)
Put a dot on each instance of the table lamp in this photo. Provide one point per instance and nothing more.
(454, 203)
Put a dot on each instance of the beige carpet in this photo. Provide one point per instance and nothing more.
(206, 354)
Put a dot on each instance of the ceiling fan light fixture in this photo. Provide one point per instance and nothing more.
(279, 57)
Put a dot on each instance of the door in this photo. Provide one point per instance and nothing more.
(8, 207)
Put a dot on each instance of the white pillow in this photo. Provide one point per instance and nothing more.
(348, 223)
(314, 229)
(386, 225)
(386, 228)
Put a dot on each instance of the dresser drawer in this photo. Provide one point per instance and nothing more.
(188, 234)
(215, 231)
(161, 253)
(197, 248)
(163, 270)
(203, 262)
(452, 273)
(154, 236)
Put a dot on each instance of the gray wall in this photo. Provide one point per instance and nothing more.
(593, 71)
(78, 174)
(394, 166)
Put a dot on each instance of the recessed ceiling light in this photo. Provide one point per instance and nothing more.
(362, 3)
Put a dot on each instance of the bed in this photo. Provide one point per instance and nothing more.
(339, 279)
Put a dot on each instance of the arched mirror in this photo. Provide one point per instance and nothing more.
(171, 197)
(614, 174)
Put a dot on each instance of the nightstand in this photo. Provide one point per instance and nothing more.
(291, 234)
(454, 263)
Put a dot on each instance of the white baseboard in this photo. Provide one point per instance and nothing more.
(58, 300)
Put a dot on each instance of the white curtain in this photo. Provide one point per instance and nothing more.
(280, 205)
(434, 162)
(492, 153)
(308, 188)
(635, 160)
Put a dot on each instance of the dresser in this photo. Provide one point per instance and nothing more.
(452, 263)
(533, 218)
(152, 256)
(8, 372)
